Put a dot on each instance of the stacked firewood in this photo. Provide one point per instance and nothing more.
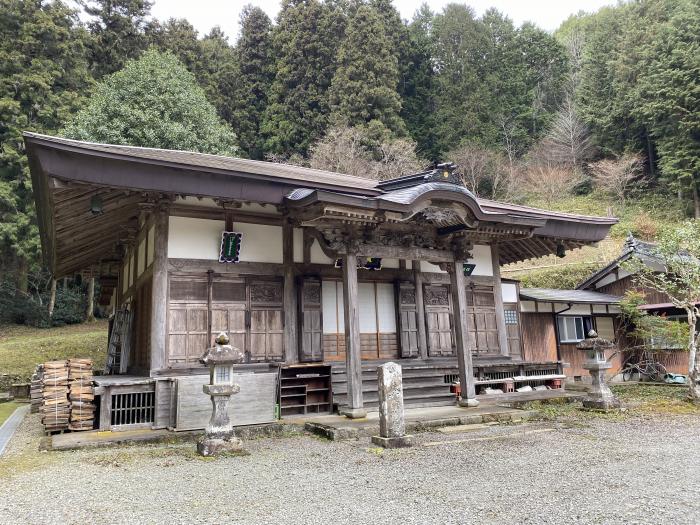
(55, 407)
(81, 394)
(36, 388)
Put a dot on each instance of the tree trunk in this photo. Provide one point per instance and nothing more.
(52, 297)
(650, 154)
(693, 369)
(22, 282)
(696, 202)
(90, 314)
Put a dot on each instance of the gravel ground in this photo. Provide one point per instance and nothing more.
(599, 471)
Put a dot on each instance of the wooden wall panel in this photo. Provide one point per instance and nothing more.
(539, 337)
(627, 283)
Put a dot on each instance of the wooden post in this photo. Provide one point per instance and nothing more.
(464, 351)
(420, 311)
(90, 311)
(159, 290)
(291, 346)
(498, 301)
(353, 356)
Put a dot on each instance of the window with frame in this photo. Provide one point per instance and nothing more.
(573, 328)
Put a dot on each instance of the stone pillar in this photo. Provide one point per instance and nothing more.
(353, 357)
(392, 426)
(464, 351)
(599, 397)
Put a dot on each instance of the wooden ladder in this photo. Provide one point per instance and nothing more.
(118, 349)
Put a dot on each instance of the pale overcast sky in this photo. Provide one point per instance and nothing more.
(204, 14)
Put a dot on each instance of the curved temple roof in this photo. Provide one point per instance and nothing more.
(133, 171)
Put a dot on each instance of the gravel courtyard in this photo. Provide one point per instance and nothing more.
(596, 470)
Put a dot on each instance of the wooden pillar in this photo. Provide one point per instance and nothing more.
(464, 351)
(291, 350)
(159, 291)
(498, 300)
(353, 356)
(420, 310)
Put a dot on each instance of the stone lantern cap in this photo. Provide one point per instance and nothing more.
(222, 353)
(593, 342)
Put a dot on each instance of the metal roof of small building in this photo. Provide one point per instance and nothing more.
(551, 295)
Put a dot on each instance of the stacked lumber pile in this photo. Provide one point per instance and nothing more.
(36, 388)
(55, 407)
(81, 394)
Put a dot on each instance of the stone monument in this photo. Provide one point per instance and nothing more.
(599, 397)
(218, 435)
(392, 426)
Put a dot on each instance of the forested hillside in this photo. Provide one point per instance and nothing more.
(601, 117)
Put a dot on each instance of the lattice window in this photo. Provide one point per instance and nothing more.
(511, 316)
(133, 408)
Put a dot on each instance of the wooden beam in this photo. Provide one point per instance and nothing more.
(353, 352)
(420, 310)
(291, 345)
(159, 290)
(498, 299)
(464, 350)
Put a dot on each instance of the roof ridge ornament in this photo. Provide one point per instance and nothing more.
(442, 172)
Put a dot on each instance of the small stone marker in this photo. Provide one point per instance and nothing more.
(392, 425)
(599, 397)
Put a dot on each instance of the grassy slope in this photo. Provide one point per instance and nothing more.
(6, 410)
(23, 347)
(644, 217)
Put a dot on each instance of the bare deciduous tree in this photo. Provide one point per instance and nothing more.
(568, 141)
(549, 181)
(353, 151)
(617, 177)
(484, 172)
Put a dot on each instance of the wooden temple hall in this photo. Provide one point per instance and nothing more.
(317, 276)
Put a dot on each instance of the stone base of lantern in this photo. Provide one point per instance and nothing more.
(466, 402)
(601, 403)
(393, 442)
(215, 446)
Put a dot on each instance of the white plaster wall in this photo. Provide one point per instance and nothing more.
(527, 306)
(298, 238)
(367, 307)
(509, 292)
(390, 263)
(386, 303)
(599, 309)
(576, 309)
(481, 257)
(317, 255)
(190, 238)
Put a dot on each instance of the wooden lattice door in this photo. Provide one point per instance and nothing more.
(438, 318)
(408, 320)
(483, 327)
(187, 321)
(311, 347)
(229, 311)
(266, 321)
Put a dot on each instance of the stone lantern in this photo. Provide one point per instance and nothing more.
(218, 436)
(600, 396)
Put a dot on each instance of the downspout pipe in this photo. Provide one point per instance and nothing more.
(556, 327)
